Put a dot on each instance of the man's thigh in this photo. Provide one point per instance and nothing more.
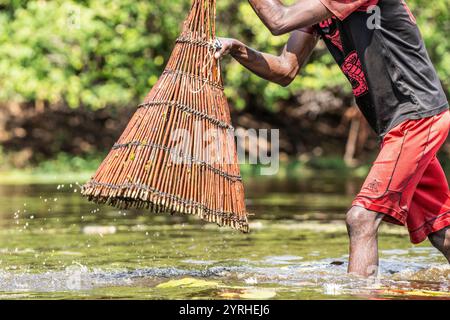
(430, 206)
(407, 150)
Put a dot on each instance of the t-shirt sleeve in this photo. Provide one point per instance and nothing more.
(343, 8)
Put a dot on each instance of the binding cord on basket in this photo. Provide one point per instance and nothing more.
(212, 48)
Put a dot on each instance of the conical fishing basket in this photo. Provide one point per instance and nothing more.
(178, 152)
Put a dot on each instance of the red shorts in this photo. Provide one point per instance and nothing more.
(406, 182)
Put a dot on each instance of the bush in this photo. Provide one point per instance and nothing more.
(98, 53)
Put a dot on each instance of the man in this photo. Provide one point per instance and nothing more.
(379, 48)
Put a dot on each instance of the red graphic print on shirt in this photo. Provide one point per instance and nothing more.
(334, 36)
(354, 72)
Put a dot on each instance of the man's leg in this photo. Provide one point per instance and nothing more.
(441, 241)
(362, 227)
(406, 152)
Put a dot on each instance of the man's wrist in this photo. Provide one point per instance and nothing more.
(236, 48)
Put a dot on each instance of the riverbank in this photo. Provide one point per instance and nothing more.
(68, 169)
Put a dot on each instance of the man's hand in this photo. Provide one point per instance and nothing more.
(228, 46)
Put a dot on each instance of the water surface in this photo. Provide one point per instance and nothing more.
(55, 244)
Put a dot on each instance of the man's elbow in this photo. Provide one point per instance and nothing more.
(277, 24)
(285, 80)
(278, 29)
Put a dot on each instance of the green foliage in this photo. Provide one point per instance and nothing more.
(69, 163)
(433, 18)
(323, 163)
(62, 168)
(98, 53)
(85, 53)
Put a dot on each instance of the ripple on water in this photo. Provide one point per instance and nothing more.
(323, 277)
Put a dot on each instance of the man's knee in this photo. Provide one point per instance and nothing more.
(441, 240)
(362, 222)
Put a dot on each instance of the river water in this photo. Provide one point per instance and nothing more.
(55, 244)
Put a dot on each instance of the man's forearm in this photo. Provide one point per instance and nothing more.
(265, 65)
(281, 19)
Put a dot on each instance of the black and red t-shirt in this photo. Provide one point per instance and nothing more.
(382, 53)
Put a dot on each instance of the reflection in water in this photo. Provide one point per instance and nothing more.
(54, 244)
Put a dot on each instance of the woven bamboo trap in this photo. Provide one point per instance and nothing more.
(178, 153)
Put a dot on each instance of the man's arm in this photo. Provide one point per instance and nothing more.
(280, 69)
(281, 19)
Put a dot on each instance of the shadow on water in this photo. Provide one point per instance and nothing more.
(54, 244)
